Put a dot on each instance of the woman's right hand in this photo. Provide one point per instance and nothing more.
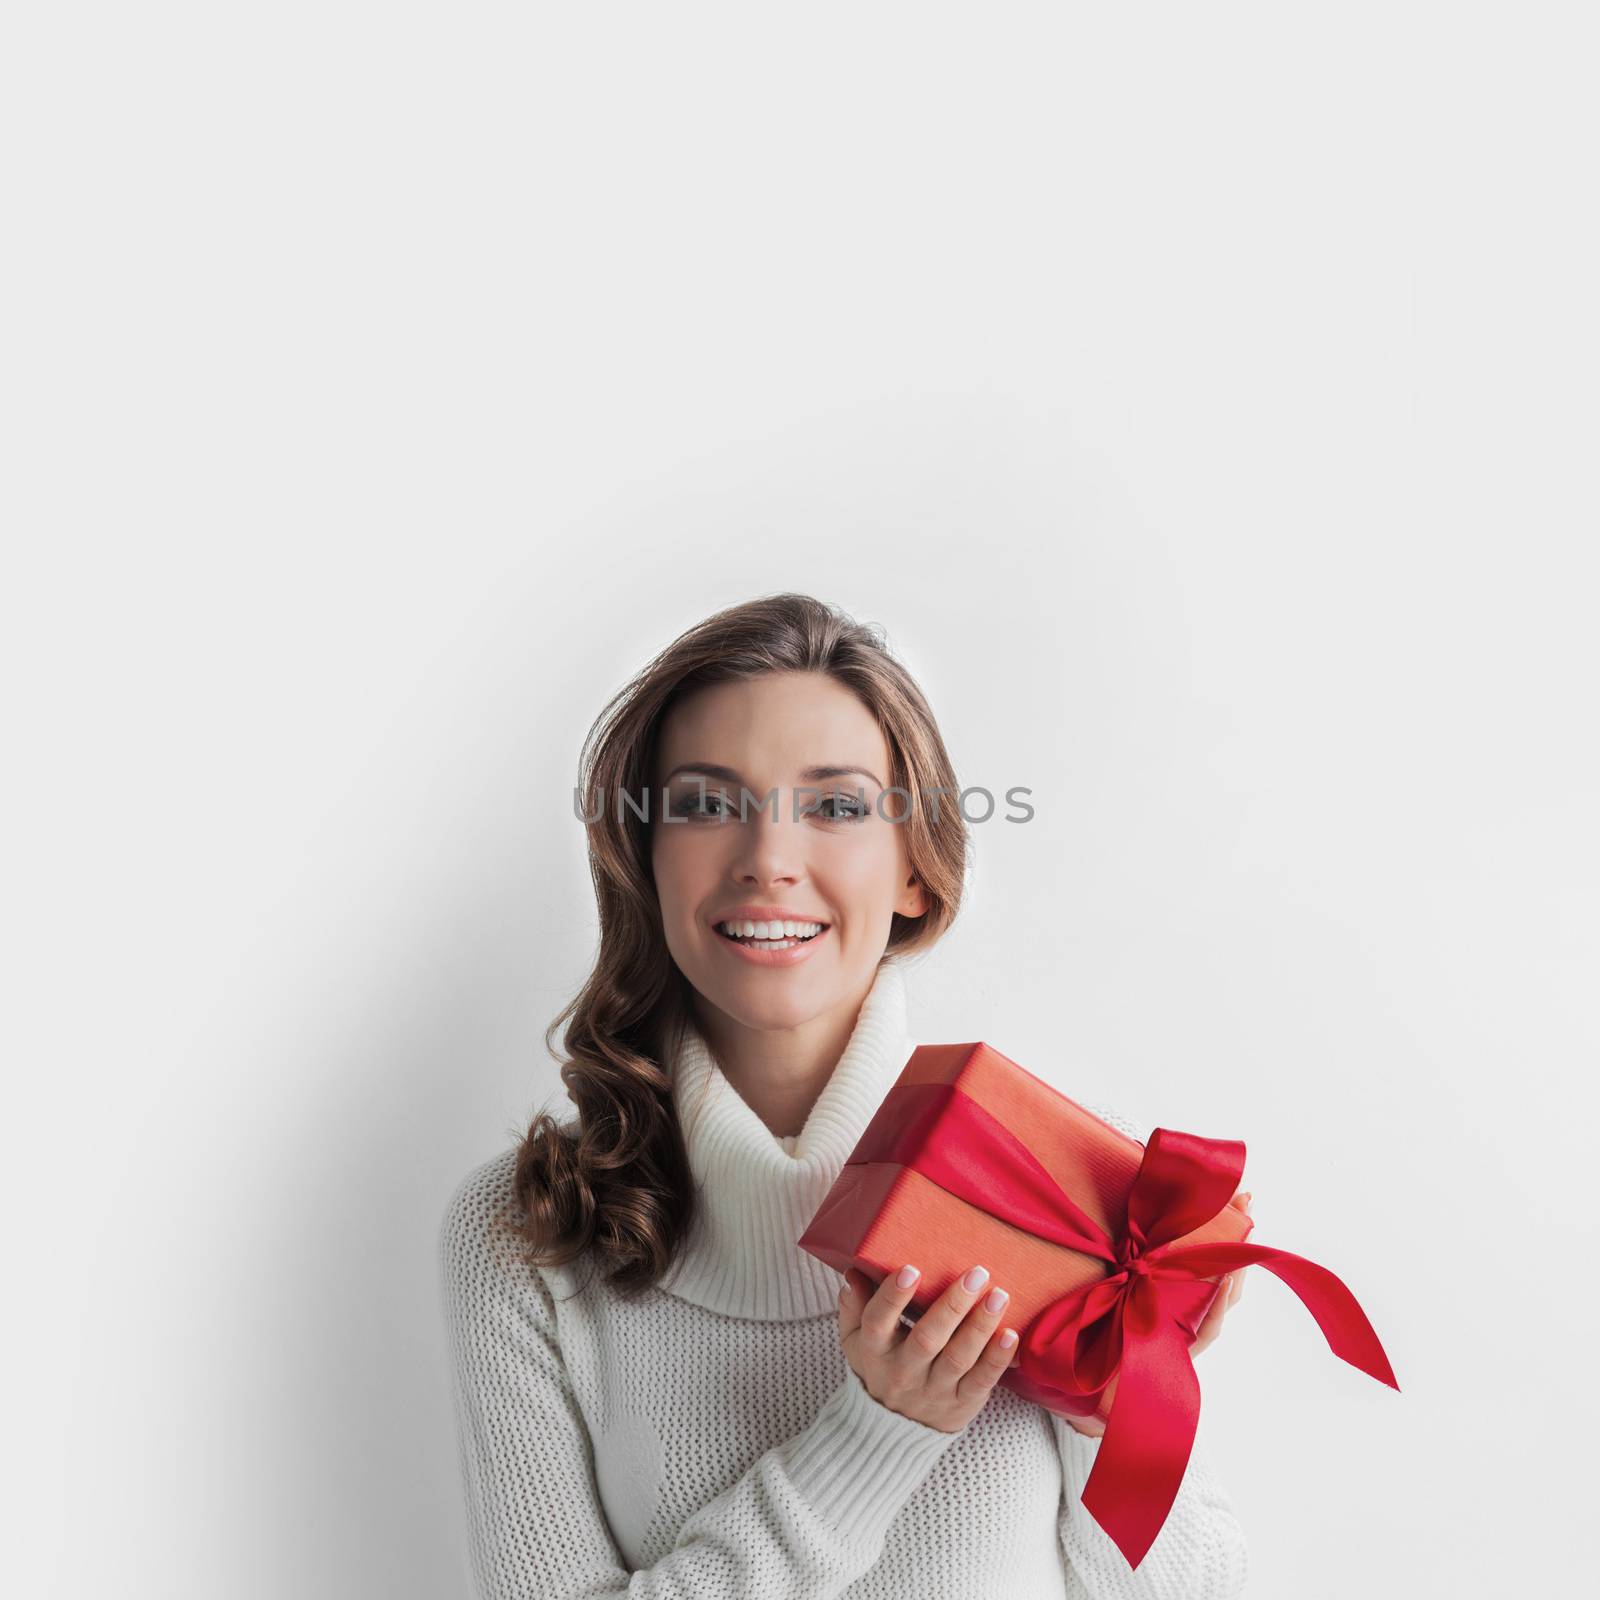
(940, 1370)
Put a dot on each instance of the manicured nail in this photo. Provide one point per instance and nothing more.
(995, 1299)
(1008, 1338)
(975, 1279)
(907, 1276)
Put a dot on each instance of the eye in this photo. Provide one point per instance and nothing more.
(693, 803)
(853, 809)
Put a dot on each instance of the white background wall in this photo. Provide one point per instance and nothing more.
(1204, 399)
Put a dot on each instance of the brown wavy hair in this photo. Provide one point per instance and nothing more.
(615, 1187)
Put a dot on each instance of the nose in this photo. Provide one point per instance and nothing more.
(768, 852)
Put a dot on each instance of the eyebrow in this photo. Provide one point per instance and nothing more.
(809, 774)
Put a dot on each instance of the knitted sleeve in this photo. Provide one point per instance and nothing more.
(805, 1521)
(1200, 1553)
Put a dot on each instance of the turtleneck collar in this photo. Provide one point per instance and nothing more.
(754, 1198)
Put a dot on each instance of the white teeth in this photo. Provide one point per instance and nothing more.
(772, 930)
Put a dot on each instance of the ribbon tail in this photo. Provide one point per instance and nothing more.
(1149, 1434)
(1344, 1324)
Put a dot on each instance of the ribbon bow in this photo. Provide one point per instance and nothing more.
(1136, 1323)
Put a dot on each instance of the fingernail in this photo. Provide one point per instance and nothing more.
(975, 1279)
(907, 1276)
(1008, 1338)
(995, 1299)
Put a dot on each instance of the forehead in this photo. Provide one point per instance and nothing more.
(770, 727)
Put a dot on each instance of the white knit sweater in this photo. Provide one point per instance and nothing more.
(710, 1440)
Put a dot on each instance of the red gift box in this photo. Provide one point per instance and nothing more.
(1112, 1252)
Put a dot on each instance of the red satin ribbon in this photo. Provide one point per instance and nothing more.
(1134, 1324)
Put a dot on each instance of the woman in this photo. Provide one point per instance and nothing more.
(703, 1410)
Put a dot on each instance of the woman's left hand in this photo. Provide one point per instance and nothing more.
(1210, 1326)
(1228, 1295)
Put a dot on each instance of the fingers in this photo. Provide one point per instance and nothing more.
(989, 1364)
(874, 1314)
(1236, 1278)
(928, 1341)
(975, 1348)
(1211, 1323)
(981, 1347)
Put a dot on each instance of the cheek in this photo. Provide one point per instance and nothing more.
(666, 869)
(865, 877)
(684, 875)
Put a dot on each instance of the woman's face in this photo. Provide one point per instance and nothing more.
(843, 864)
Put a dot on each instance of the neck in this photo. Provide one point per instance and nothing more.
(753, 1198)
(780, 1072)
